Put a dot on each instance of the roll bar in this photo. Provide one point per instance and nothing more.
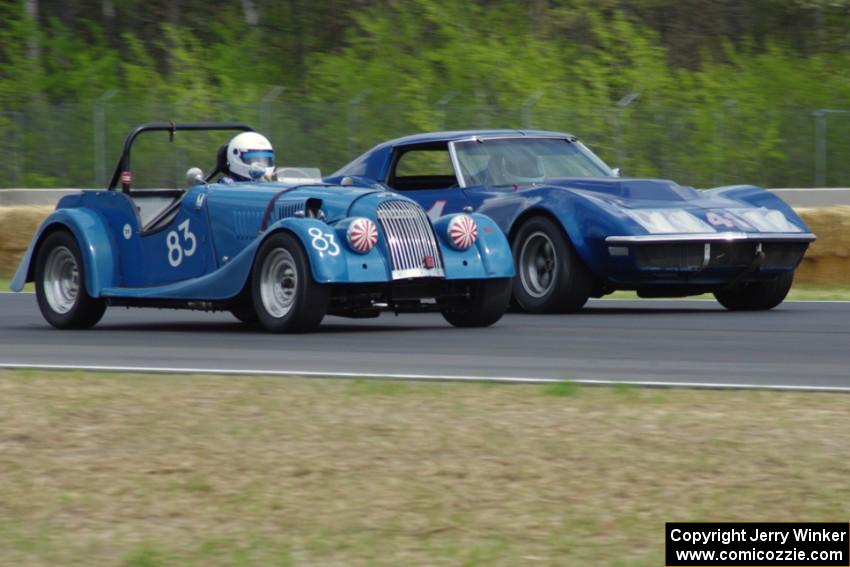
(122, 170)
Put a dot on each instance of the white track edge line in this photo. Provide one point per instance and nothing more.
(425, 377)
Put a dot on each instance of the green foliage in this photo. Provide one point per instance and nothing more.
(565, 388)
(719, 93)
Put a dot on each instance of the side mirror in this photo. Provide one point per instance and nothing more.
(616, 172)
(195, 176)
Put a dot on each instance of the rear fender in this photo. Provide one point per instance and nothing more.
(93, 238)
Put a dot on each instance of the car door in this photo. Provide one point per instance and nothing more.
(425, 174)
(176, 246)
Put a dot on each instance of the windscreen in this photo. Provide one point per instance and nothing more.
(522, 161)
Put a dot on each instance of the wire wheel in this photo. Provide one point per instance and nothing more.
(538, 265)
(279, 282)
(61, 280)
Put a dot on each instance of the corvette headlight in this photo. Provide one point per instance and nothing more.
(669, 221)
(766, 220)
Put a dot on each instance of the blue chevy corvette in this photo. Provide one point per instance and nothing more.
(579, 230)
(281, 254)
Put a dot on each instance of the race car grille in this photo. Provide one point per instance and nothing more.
(411, 241)
(690, 256)
(732, 254)
(674, 257)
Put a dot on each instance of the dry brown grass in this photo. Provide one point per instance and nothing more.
(176, 470)
(827, 261)
(17, 226)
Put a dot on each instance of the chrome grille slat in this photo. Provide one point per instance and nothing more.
(410, 239)
(404, 237)
(421, 241)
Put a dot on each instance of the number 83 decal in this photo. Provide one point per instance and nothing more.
(323, 241)
(180, 245)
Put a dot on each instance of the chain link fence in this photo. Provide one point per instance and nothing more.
(72, 145)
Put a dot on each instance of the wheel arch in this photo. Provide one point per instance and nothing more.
(582, 222)
(326, 268)
(573, 237)
(530, 213)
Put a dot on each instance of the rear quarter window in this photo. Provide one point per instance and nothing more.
(423, 169)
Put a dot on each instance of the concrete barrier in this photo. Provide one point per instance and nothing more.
(813, 197)
(15, 197)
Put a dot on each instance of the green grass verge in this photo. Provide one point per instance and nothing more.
(192, 470)
(4, 285)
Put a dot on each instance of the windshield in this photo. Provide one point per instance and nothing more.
(521, 161)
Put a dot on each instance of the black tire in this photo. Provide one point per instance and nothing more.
(243, 306)
(246, 314)
(488, 303)
(756, 296)
(551, 277)
(286, 298)
(60, 284)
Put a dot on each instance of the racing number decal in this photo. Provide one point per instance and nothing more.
(728, 220)
(177, 248)
(323, 242)
(719, 220)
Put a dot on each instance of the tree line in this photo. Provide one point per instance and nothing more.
(713, 91)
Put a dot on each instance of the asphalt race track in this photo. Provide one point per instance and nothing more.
(683, 342)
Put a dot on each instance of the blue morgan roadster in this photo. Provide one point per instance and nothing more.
(579, 230)
(282, 254)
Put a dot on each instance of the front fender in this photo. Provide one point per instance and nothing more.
(759, 197)
(490, 257)
(331, 260)
(586, 220)
(94, 240)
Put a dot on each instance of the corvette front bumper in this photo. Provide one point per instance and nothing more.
(713, 252)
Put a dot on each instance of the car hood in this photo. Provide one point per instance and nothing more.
(664, 206)
(638, 193)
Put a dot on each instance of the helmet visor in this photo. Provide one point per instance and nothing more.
(263, 157)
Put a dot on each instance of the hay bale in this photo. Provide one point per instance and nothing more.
(827, 262)
(832, 227)
(17, 226)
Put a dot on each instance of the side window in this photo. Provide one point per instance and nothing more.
(422, 168)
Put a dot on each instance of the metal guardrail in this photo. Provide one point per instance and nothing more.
(826, 197)
(16, 197)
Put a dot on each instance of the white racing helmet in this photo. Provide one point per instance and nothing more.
(247, 149)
